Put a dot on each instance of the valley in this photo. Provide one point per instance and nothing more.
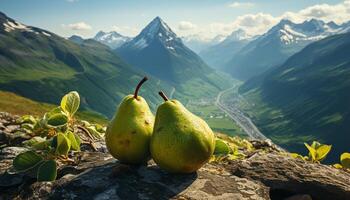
(289, 84)
(230, 105)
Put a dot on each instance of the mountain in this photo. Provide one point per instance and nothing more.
(197, 43)
(43, 66)
(307, 97)
(275, 46)
(158, 51)
(76, 39)
(111, 39)
(218, 55)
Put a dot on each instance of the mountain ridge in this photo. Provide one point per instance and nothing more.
(175, 63)
(306, 96)
(277, 44)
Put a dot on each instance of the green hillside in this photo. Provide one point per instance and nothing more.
(306, 98)
(43, 66)
(15, 104)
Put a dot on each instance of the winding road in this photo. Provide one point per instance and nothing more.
(235, 114)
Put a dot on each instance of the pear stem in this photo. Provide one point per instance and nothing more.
(139, 86)
(161, 93)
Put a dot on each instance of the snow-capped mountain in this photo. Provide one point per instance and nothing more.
(311, 30)
(9, 25)
(156, 31)
(111, 39)
(218, 55)
(198, 43)
(280, 42)
(161, 53)
(238, 35)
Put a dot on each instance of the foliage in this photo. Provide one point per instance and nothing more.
(317, 152)
(230, 148)
(52, 138)
(344, 162)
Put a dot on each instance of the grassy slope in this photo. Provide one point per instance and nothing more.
(306, 98)
(15, 104)
(44, 68)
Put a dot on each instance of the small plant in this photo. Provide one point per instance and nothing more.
(52, 138)
(344, 162)
(228, 149)
(317, 152)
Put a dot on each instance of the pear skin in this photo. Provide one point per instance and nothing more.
(128, 134)
(181, 141)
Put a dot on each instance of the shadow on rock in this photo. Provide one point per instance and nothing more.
(116, 181)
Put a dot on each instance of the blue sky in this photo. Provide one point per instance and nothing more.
(187, 17)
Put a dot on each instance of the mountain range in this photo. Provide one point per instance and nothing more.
(198, 43)
(306, 98)
(219, 54)
(43, 66)
(157, 50)
(274, 47)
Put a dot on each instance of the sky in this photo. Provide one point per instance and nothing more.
(202, 18)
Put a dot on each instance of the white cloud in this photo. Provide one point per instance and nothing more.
(71, 1)
(186, 25)
(79, 26)
(338, 13)
(259, 23)
(241, 4)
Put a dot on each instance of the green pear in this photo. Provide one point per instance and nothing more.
(128, 134)
(181, 141)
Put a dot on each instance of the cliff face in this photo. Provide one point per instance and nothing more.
(265, 173)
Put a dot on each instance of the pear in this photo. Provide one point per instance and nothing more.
(128, 134)
(181, 141)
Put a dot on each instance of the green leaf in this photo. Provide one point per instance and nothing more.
(27, 126)
(312, 152)
(70, 103)
(47, 171)
(92, 130)
(27, 160)
(345, 160)
(57, 120)
(75, 141)
(26, 119)
(315, 144)
(296, 155)
(33, 141)
(221, 147)
(338, 166)
(322, 151)
(63, 144)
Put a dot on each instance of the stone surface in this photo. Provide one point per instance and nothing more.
(98, 176)
(286, 175)
(267, 173)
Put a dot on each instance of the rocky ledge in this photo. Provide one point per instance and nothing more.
(96, 175)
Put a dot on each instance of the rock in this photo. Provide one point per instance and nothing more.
(113, 180)
(300, 197)
(266, 173)
(288, 176)
(11, 152)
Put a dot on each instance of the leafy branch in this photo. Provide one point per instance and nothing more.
(52, 138)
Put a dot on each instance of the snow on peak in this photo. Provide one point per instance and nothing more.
(309, 30)
(13, 25)
(156, 29)
(239, 35)
(111, 39)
